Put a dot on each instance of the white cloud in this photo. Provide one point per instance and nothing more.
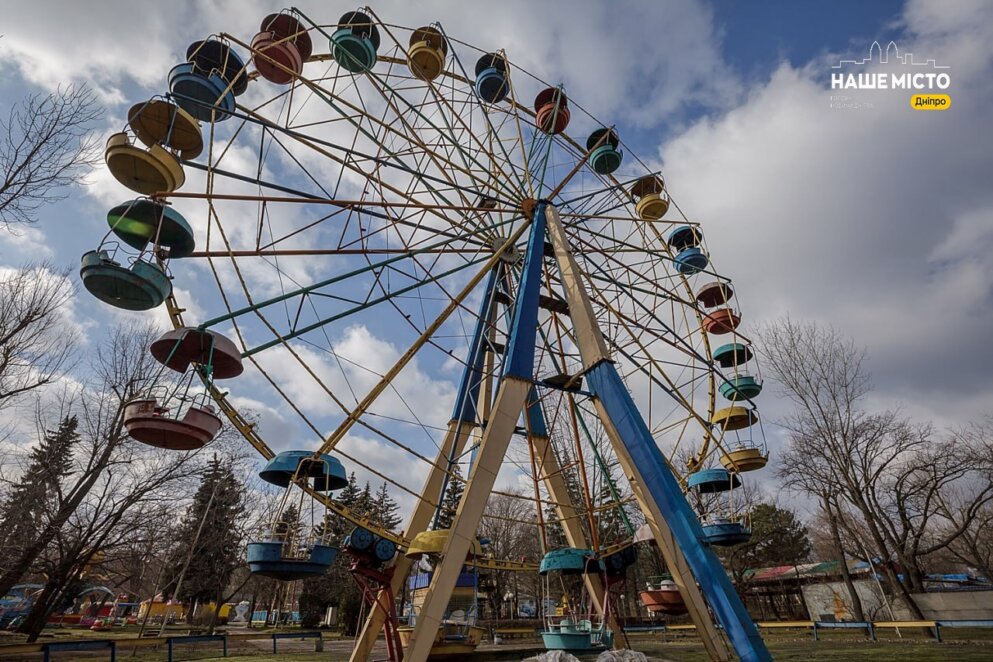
(874, 220)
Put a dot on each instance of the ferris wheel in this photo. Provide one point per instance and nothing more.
(430, 259)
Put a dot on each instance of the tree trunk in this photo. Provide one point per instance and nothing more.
(896, 586)
(853, 595)
(28, 555)
(35, 621)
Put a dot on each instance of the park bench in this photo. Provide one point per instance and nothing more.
(74, 646)
(318, 646)
(644, 629)
(776, 625)
(197, 639)
(513, 633)
(853, 625)
(959, 624)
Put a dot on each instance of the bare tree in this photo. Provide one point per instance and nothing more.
(45, 146)
(967, 506)
(135, 484)
(911, 497)
(35, 345)
(124, 370)
(509, 524)
(836, 447)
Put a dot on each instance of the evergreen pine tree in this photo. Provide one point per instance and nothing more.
(217, 551)
(386, 509)
(554, 533)
(24, 507)
(350, 493)
(288, 527)
(450, 500)
(365, 504)
(610, 522)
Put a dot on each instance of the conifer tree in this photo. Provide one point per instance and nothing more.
(27, 502)
(450, 500)
(365, 504)
(386, 509)
(216, 553)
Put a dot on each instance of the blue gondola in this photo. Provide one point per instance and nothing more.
(725, 533)
(201, 94)
(491, 78)
(691, 261)
(206, 84)
(326, 471)
(268, 559)
(683, 237)
(711, 481)
(285, 554)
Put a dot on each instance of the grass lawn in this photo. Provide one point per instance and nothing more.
(959, 645)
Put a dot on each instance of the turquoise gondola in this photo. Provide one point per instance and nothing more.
(711, 481)
(142, 286)
(355, 42)
(741, 387)
(606, 158)
(491, 78)
(570, 561)
(574, 631)
(732, 355)
(138, 222)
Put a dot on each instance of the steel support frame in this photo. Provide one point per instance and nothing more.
(663, 500)
(508, 405)
(460, 429)
(549, 470)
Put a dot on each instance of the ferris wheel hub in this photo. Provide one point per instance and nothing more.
(510, 255)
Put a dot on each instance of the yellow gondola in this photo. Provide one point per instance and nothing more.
(735, 418)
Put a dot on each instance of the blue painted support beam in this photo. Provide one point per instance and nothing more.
(520, 353)
(519, 359)
(535, 417)
(658, 481)
(467, 402)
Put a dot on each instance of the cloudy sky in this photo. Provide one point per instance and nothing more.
(876, 219)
